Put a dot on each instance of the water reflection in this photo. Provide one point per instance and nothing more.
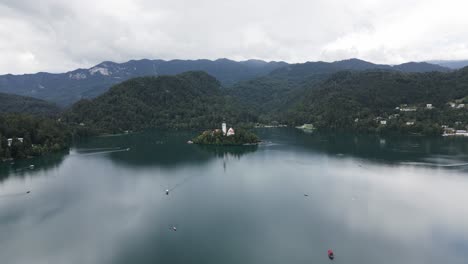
(31, 167)
(362, 202)
(388, 149)
(156, 148)
(228, 151)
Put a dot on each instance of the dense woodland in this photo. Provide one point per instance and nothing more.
(350, 95)
(308, 93)
(241, 137)
(188, 100)
(10, 103)
(39, 135)
(67, 88)
(360, 100)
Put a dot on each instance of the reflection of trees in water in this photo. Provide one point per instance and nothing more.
(228, 151)
(21, 168)
(387, 148)
(159, 148)
(148, 149)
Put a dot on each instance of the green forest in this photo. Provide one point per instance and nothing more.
(362, 101)
(358, 99)
(31, 136)
(184, 101)
(216, 137)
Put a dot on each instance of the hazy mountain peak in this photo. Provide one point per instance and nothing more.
(420, 67)
(452, 64)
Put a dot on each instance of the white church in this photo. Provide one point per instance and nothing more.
(229, 132)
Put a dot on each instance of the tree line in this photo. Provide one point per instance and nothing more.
(31, 136)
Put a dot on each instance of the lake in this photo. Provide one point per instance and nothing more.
(372, 199)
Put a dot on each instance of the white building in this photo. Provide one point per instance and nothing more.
(408, 109)
(429, 106)
(383, 122)
(230, 132)
(461, 133)
(223, 128)
(10, 141)
(410, 123)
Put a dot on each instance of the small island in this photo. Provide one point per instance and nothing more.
(226, 137)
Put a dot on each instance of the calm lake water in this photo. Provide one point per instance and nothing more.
(371, 199)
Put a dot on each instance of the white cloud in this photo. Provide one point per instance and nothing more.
(54, 35)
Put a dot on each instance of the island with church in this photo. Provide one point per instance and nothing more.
(226, 137)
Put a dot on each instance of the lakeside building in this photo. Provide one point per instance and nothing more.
(456, 105)
(405, 108)
(223, 128)
(10, 141)
(448, 131)
(230, 132)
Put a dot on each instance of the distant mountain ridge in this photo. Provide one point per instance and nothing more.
(452, 64)
(279, 88)
(10, 103)
(66, 88)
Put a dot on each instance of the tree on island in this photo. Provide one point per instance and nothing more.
(217, 137)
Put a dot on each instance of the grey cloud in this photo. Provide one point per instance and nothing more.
(55, 35)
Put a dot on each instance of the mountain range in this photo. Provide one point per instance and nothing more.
(11, 103)
(285, 85)
(343, 100)
(67, 88)
(186, 100)
(452, 64)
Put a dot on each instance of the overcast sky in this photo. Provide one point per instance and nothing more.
(61, 35)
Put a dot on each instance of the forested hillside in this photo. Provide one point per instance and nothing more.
(67, 88)
(31, 136)
(10, 103)
(344, 95)
(274, 93)
(188, 100)
(360, 100)
(345, 100)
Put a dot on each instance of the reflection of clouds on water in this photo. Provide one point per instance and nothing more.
(228, 151)
(429, 164)
(80, 150)
(16, 194)
(268, 144)
(89, 153)
(403, 204)
(385, 149)
(22, 168)
(364, 204)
